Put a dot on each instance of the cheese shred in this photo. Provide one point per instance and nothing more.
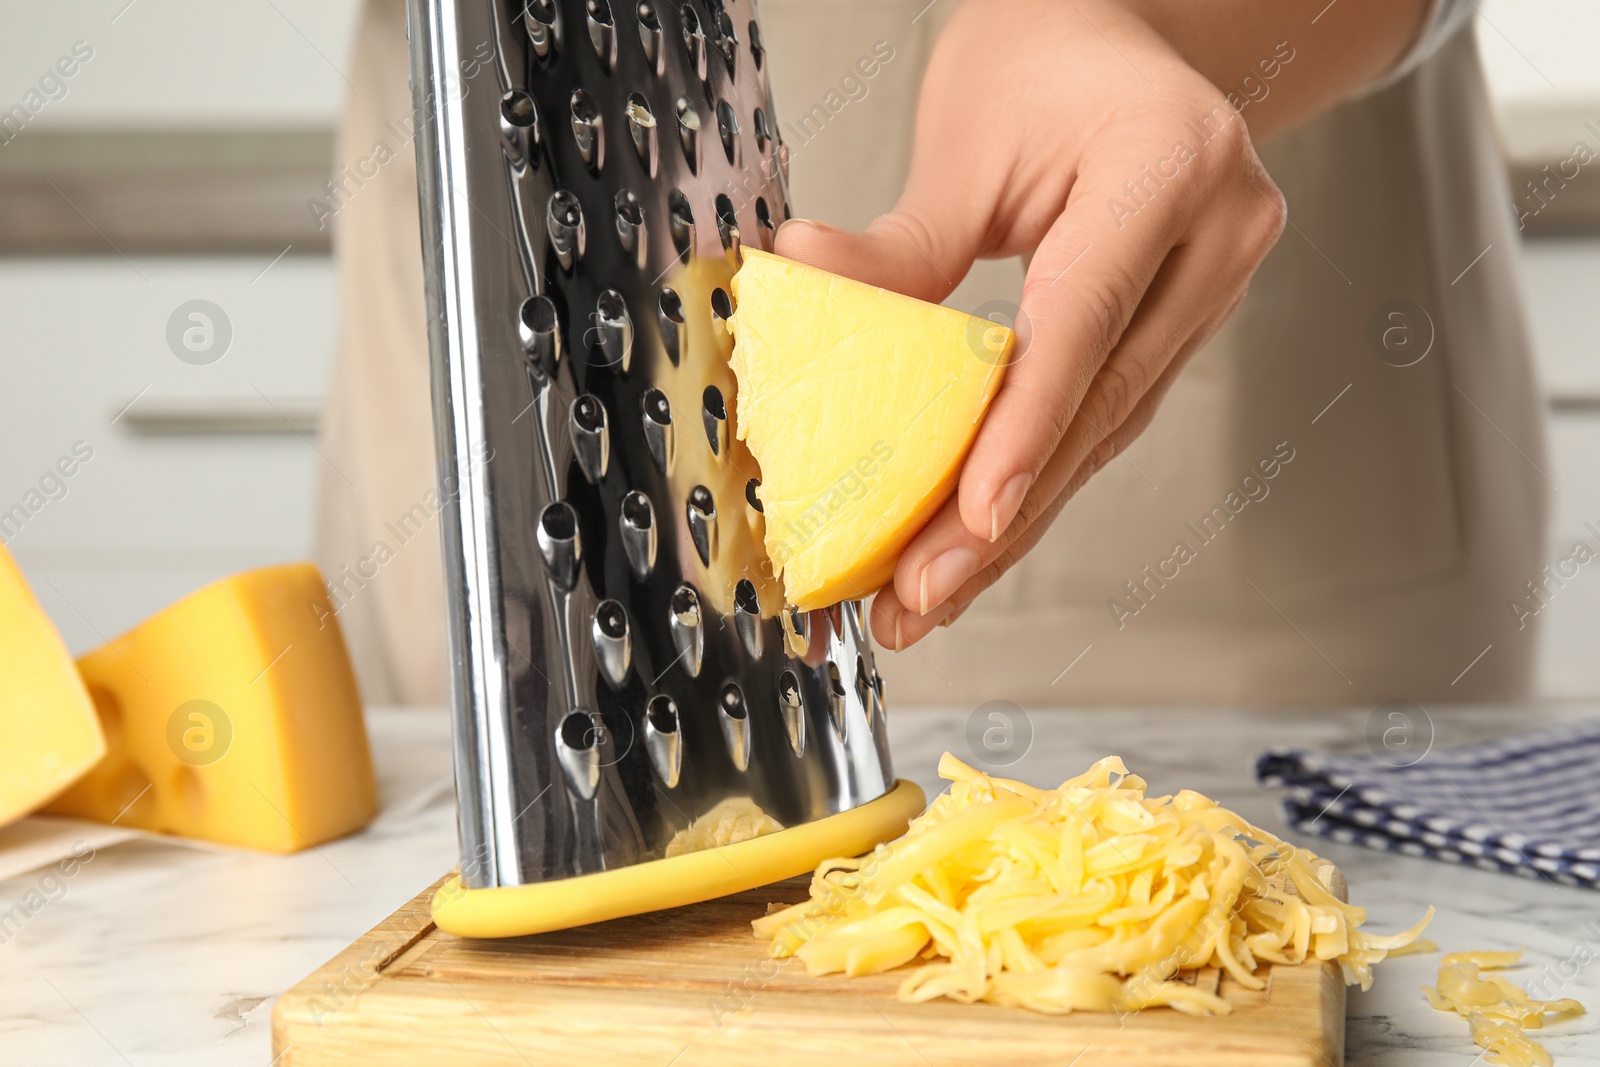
(1088, 897)
(1497, 1010)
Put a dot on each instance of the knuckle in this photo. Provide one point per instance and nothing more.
(1100, 455)
(1031, 511)
(1269, 218)
(909, 227)
(1119, 385)
(1109, 309)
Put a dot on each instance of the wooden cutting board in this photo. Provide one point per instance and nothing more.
(692, 987)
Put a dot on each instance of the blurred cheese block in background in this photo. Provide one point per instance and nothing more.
(49, 734)
(859, 404)
(232, 716)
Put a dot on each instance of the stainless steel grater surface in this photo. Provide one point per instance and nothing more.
(622, 658)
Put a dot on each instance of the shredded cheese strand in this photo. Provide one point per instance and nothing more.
(1497, 1010)
(1091, 896)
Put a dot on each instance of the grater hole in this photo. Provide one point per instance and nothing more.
(672, 307)
(721, 304)
(637, 511)
(630, 225)
(629, 210)
(863, 681)
(789, 689)
(565, 217)
(590, 441)
(542, 20)
(685, 605)
(612, 619)
(657, 408)
(588, 128)
(589, 413)
(769, 229)
(702, 516)
(714, 404)
(745, 597)
(835, 682)
(612, 331)
(733, 704)
(537, 327)
(642, 131)
(650, 37)
(538, 315)
(516, 107)
(602, 32)
(694, 40)
(559, 521)
(750, 496)
(565, 209)
(727, 223)
(682, 224)
(763, 134)
(669, 317)
(578, 732)
(714, 416)
(728, 128)
(584, 107)
(611, 306)
(639, 112)
(757, 51)
(689, 133)
(663, 714)
(727, 39)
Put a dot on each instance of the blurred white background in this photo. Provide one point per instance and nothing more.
(120, 201)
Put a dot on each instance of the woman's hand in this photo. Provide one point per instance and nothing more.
(1072, 133)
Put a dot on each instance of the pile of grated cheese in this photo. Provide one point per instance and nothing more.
(1088, 897)
(1496, 1008)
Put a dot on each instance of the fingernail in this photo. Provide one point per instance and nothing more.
(797, 223)
(1007, 503)
(942, 577)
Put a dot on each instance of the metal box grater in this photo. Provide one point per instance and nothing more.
(622, 658)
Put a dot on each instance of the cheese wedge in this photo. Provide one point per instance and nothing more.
(232, 716)
(49, 733)
(859, 404)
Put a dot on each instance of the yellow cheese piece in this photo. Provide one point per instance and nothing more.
(232, 716)
(49, 734)
(731, 821)
(859, 404)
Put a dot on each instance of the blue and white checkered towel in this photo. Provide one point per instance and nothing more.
(1529, 805)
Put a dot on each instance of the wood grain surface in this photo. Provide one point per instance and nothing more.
(692, 987)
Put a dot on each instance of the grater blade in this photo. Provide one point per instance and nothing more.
(622, 659)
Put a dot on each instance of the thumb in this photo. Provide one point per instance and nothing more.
(923, 248)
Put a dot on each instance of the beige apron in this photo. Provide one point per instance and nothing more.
(1304, 523)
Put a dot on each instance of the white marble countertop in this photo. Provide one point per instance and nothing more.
(159, 953)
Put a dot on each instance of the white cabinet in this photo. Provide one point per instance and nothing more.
(154, 514)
